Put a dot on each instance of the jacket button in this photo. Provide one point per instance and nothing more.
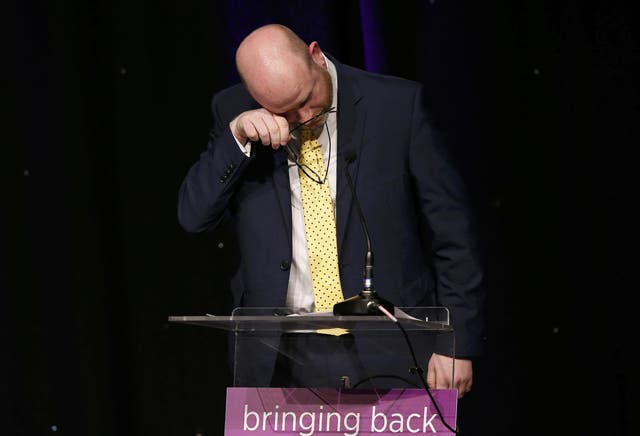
(284, 265)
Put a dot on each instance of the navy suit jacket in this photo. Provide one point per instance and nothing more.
(413, 200)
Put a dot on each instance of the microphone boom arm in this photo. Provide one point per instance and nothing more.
(367, 301)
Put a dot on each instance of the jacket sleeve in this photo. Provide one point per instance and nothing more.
(445, 209)
(206, 191)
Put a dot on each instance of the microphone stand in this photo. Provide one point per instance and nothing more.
(367, 301)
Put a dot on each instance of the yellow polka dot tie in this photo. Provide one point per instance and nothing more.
(320, 226)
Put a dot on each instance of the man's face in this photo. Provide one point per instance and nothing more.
(311, 94)
(316, 99)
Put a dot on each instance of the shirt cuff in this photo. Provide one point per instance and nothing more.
(245, 148)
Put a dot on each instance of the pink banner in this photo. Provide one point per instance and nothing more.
(310, 411)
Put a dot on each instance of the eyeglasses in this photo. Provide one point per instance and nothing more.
(295, 157)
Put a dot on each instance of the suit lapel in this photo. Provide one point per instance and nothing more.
(350, 137)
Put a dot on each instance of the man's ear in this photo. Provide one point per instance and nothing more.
(316, 54)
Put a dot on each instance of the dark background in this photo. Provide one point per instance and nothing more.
(108, 106)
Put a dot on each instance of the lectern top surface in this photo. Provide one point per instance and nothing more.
(279, 319)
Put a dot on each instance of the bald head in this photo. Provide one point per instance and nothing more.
(274, 64)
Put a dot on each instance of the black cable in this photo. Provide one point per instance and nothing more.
(422, 378)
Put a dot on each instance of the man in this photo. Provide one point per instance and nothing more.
(379, 131)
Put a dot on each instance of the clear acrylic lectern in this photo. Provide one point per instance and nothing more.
(277, 348)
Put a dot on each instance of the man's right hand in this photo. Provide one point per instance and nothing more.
(261, 125)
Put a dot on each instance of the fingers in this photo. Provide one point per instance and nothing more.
(463, 381)
(441, 380)
(431, 375)
(463, 386)
(283, 126)
(261, 125)
(439, 373)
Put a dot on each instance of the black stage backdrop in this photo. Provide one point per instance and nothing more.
(108, 106)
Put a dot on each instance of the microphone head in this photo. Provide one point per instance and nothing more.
(350, 156)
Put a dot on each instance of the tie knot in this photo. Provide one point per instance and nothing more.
(308, 144)
(306, 134)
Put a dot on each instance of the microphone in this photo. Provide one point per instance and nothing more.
(367, 301)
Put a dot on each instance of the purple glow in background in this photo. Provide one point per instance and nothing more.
(248, 15)
(371, 36)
